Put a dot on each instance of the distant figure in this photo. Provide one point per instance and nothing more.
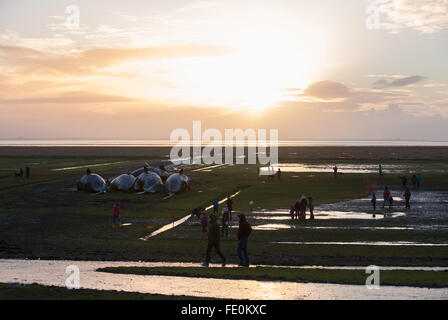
(407, 197)
(251, 205)
(21, 173)
(303, 204)
(373, 200)
(196, 212)
(258, 173)
(414, 181)
(244, 231)
(335, 171)
(215, 205)
(213, 242)
(418, 178)
(279, 173)
(380, 169)
(230, 206)
(297, 208)
(311, 206)
(291, 211)
(386, 196)
(116, 213)
(27, 170)
(204, 223)
(88, 172)
(404, 181)
(225, 220)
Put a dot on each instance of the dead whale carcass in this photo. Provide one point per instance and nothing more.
(162, 173)
(177, 182)
(91, 182)
(148, 182)
(124, 182)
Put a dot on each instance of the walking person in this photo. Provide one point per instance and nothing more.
(303, 204)
(230, 206)
(335, 171)
(215, 205)
(116, 213)
(380, 170)
(418, 178)
(311, 206)
(407, 197)
(386, 196)
(213, 242)
(279, 173)
(244, 231)
(291, 211)
(373, 201)
(225, 221)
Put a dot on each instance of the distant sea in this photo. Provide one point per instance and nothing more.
(167, 143)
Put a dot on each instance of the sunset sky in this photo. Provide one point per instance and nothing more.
(139, 69)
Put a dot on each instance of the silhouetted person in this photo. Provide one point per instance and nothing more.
(27, 171)
(279, 173)
(418, 178)
(414, 181)
(335, 171)
(244, 231)
(230, 206)
(215, 205)
(407, 197)
(21, 173)
(386, 196)
(373, 200)
(297, 208)
(213, 242)
(311, 206)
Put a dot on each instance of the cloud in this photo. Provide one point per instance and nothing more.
(327, 90)
(400, 82)
(425, 16)
(90, 61)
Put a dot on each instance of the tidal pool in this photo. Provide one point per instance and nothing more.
(53, 273)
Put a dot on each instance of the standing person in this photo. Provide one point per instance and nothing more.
(215, 205)
(230, 206)
(335, 171)
(225, 220)
(404, 181)
(204, 223)
(386, 196)
(27, 171)
(380, 169)
(116, 213)
(213, 242)
(418, 177)
(311, 206)
(414, 181)
(373, 200)
(244, 231)
(407, 196)
(297, 208)
(279, 173)
(303, 204)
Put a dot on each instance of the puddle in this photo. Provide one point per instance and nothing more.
(327, 215)
(89, 166)
(54, 273)
(344, 168)
(367, 243)
(174, 224)
(272, 227)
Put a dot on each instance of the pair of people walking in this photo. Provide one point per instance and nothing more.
(244, 230)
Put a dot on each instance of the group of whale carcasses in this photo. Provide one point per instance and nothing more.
(147, 179)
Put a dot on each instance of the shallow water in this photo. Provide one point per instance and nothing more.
(54, 273)
(365, 243)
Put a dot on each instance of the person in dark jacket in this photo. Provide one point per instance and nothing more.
(230, 206)
(297, 208)
(244, 231)
(213, 242)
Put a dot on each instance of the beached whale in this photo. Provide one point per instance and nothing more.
(162, 173)
(91, 182)
(124, 182)
(177, 182)
(148, 182)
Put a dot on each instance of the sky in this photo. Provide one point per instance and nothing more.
(321, 69)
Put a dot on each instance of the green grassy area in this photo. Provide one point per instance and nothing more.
(13, 291)
(44, 217)
(431, 279)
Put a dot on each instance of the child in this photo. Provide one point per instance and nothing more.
(116, 213)
(291, 211)
(204, 223)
